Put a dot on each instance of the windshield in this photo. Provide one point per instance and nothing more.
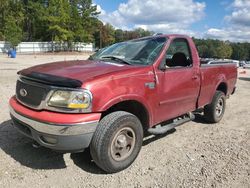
(138, 52)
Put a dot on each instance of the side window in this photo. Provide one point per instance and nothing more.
(178, 54)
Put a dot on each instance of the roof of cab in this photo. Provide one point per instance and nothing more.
(168, 36)
(174, 35)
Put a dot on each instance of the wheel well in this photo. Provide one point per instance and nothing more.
(222, 87)
(132, 107)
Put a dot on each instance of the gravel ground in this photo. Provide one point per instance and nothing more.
(195, 154)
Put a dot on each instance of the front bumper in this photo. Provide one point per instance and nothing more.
(69, 137)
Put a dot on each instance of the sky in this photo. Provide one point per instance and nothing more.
(217, 19)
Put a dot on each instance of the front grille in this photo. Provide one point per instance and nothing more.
(29, 94)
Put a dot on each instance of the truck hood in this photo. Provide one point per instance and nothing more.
(78, 71)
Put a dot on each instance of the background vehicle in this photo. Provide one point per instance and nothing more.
(209, 61)
(246, 65)
(126, 91)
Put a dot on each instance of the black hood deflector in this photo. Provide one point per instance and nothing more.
(52, 80)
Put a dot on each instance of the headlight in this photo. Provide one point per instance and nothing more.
(71, 99)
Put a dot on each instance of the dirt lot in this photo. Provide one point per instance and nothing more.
(194, 155)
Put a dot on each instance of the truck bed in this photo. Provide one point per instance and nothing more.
(211, 75)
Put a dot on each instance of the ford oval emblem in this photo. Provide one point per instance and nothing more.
(23, 92)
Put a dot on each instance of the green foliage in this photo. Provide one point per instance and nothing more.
(13, 33)
(4, 5)
(241, 51)
(224, 50)
(35, 27)
(107, 35)
(68, 21)
(43, 20)
(57, 15)
(11, 21)
(87, 14)
(119, 35)
(1, 36)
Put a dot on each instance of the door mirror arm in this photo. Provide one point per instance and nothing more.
(162, 67)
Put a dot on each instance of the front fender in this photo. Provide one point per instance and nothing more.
(130, 97)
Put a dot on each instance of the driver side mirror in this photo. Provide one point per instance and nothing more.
(162, 66)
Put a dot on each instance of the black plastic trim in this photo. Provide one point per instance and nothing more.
(52, 80)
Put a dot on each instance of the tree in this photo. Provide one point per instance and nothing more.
(88, 13)
(107, 34)
(119, 37)
(12, 21)
(240, 51)
(213, 48)
(35, 27)
(13, 33)
(58, 17)
(68, 21)
(142, 33)
(202, 49)
(83, 20)
(4, 6)
(224, 51)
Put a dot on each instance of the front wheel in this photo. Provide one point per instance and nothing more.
(214, 111)
(117, 141)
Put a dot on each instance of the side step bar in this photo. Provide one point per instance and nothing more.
(158, 129)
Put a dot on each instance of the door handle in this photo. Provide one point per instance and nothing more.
(195, 77)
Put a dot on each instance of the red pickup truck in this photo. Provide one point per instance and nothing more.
(120, 94)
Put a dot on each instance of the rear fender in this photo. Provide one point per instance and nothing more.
(221, 80)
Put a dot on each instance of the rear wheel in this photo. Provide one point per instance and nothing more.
(214, 111)
(117, 141)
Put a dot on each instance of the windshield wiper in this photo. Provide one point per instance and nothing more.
(115, 58)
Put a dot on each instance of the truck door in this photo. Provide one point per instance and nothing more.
(179, 82)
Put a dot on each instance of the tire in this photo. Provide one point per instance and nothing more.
(214, 111)
(117, 141)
